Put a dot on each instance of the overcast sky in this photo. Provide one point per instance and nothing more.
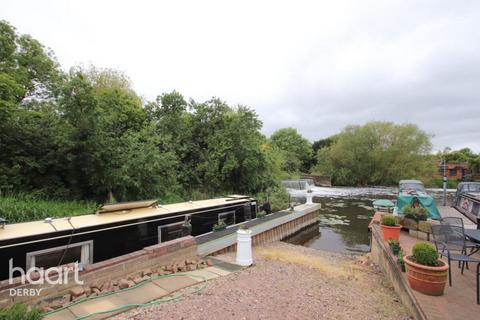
(316, 66)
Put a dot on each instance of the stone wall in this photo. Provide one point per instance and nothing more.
(167, 253)
(382, 255)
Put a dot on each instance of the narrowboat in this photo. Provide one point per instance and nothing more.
(114, 230)
(413, 191)
(467, 200)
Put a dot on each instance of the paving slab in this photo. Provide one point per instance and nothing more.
(97, 305)
(217, 270)
(171, 284)
(149, 291)
(203, 273)
(143, 294)
(65, 314)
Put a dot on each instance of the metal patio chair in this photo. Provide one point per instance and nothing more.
(450, 243)
(456, 221)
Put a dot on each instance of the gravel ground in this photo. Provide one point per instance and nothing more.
(288, 282)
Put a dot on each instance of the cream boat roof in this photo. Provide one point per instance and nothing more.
(18, 230)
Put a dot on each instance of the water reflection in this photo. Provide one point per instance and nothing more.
(343, 225)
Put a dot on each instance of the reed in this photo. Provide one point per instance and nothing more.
(21, 208)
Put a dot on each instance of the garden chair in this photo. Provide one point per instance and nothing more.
(456, 221)
(450, 242)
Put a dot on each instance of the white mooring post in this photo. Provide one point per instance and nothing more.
(309, 197)
(244, 247)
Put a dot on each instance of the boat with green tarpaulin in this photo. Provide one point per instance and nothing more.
(411, 193)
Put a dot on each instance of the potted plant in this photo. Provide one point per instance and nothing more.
(426, 273)
(390, 227)
(221, 225)
(417, 214)
(395, 246)
(413, 215)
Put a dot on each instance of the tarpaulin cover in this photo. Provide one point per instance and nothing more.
(425, 200)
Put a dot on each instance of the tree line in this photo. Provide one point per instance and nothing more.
(86, 134)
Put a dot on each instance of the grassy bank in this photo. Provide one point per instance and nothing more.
(21, 208)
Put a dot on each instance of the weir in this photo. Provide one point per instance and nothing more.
(301, 184)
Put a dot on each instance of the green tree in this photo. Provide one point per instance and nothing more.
(377, 153)
(111, 136)
(27, 69)
(297, 149)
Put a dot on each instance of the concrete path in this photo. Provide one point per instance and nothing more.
(149, 291)
(215, 241)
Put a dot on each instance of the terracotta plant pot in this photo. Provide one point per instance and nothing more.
(391, 232)
(425, 279)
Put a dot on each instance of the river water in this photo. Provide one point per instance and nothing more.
(345, 215)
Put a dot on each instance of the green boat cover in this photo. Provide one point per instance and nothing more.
(383, 203)
(425, 200)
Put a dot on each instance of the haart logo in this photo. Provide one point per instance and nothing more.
(35, 275)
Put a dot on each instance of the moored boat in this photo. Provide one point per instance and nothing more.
(413, 193)
(467, 200)
(114, 230)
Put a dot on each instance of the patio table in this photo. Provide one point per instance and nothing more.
(473, 234)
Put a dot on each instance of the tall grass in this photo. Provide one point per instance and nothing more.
(21, 208)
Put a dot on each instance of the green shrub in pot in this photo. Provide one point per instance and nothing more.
(425, 254)
(389, 220)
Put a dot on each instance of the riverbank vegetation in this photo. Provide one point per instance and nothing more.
(86, 135)
(72, 140)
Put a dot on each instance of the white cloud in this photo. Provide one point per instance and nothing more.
(317, 66)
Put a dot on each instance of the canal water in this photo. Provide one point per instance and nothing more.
(344, 217)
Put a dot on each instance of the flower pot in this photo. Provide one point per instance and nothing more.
(425, 279)
(391, 232)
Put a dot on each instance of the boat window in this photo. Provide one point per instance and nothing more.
(412, 186)
(81, 252)
(169, 232)
(227, 217)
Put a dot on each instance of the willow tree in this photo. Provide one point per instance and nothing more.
(377, 153)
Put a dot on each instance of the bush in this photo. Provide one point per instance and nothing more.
(417, 214)
(395, 246)
(389, 220)
(277, 196)
(20, 311)
(425, 253)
